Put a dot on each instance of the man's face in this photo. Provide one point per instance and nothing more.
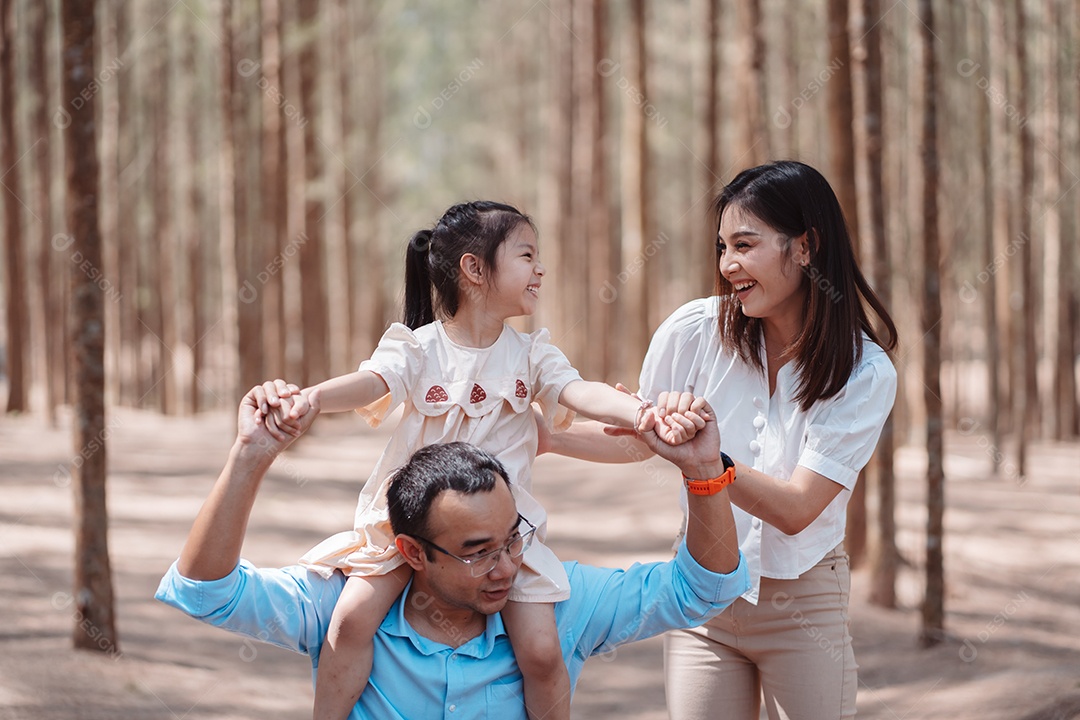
(467, 526)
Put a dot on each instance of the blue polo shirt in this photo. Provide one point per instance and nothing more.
(413, 677)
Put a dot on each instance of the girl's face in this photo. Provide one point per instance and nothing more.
(768, 281)
(518, 270)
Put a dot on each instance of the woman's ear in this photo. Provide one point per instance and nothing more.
(412, 550)
(801, 248)
(472, 269)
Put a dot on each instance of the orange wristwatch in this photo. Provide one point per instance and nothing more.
(712, 485)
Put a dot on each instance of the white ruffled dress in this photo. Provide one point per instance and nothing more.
(454, 393)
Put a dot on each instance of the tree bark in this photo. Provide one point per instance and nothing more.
(192, 226)
(273, 179)
(162, 245)
(755, 136)
(1060, 260)
(883, 554)
(48, 313)
(987, 291)
(631, 296)
(556, 188)
(601, 254)
(933, 610)
(246, 38)
(95, 627)
(229, 361)
(373, 309)
(704, 254)
(314, 363)
(1026, 411)
(18, 320)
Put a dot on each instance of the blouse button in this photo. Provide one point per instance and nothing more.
(759, 422)
(755, 447)
(759, 403)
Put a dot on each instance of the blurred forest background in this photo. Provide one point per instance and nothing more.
(259, 166)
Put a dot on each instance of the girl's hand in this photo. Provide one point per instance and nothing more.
(269, 407)
(676, 418)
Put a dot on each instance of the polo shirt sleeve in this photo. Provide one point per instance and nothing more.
(843, 431)
(620, 606)
(287, 607)
(673, 361)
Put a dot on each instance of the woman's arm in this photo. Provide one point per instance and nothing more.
(589, 441)
(788, 506)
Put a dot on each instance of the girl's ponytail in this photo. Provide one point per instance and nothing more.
(418, 306)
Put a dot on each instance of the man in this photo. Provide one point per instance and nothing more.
(442, 649)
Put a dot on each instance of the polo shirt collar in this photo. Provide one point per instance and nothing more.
(480, 646)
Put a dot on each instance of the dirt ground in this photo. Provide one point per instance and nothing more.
(1012, 559)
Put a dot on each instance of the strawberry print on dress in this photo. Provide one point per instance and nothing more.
(520, 390)
(478, 394)
(436, 394)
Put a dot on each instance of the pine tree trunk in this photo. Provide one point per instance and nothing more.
(163, 244)
(229, 359)
(1026, 413)
(49, 315)
(933, 610)
(14, 256)
(883, 554)
(557, 185)
(273, 178)
(249, 247)
(1060, 254)
(110, 179)
(374, 309)
(192, 228)
(575, 256)
(755, 136)
(630, 286)
(125, 201)
(95, 627)
(987, 291)
(703, 255)
(314, 364)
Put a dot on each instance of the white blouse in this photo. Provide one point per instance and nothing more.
(834, 438)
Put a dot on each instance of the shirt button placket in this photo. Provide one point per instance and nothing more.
(455, 682)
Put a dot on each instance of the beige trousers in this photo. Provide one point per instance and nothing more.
(792, 650)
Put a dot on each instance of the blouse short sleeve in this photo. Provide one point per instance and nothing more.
(843, 431)
(398, 360)
(550, 372)
(678, 348)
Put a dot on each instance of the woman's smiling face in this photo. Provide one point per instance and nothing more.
(764, 266)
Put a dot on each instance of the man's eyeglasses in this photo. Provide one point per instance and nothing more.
(481, 564)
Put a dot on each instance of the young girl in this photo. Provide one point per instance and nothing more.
(468, 377)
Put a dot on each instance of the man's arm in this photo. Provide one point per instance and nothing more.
(213, 546)
(710, 530)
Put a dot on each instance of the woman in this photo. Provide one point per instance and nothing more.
(801, 385)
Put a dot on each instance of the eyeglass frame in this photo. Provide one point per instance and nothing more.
(471, 563)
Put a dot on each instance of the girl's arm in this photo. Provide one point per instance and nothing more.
(598, 401)
(676, 418)
(340, 394)
(348, 392)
